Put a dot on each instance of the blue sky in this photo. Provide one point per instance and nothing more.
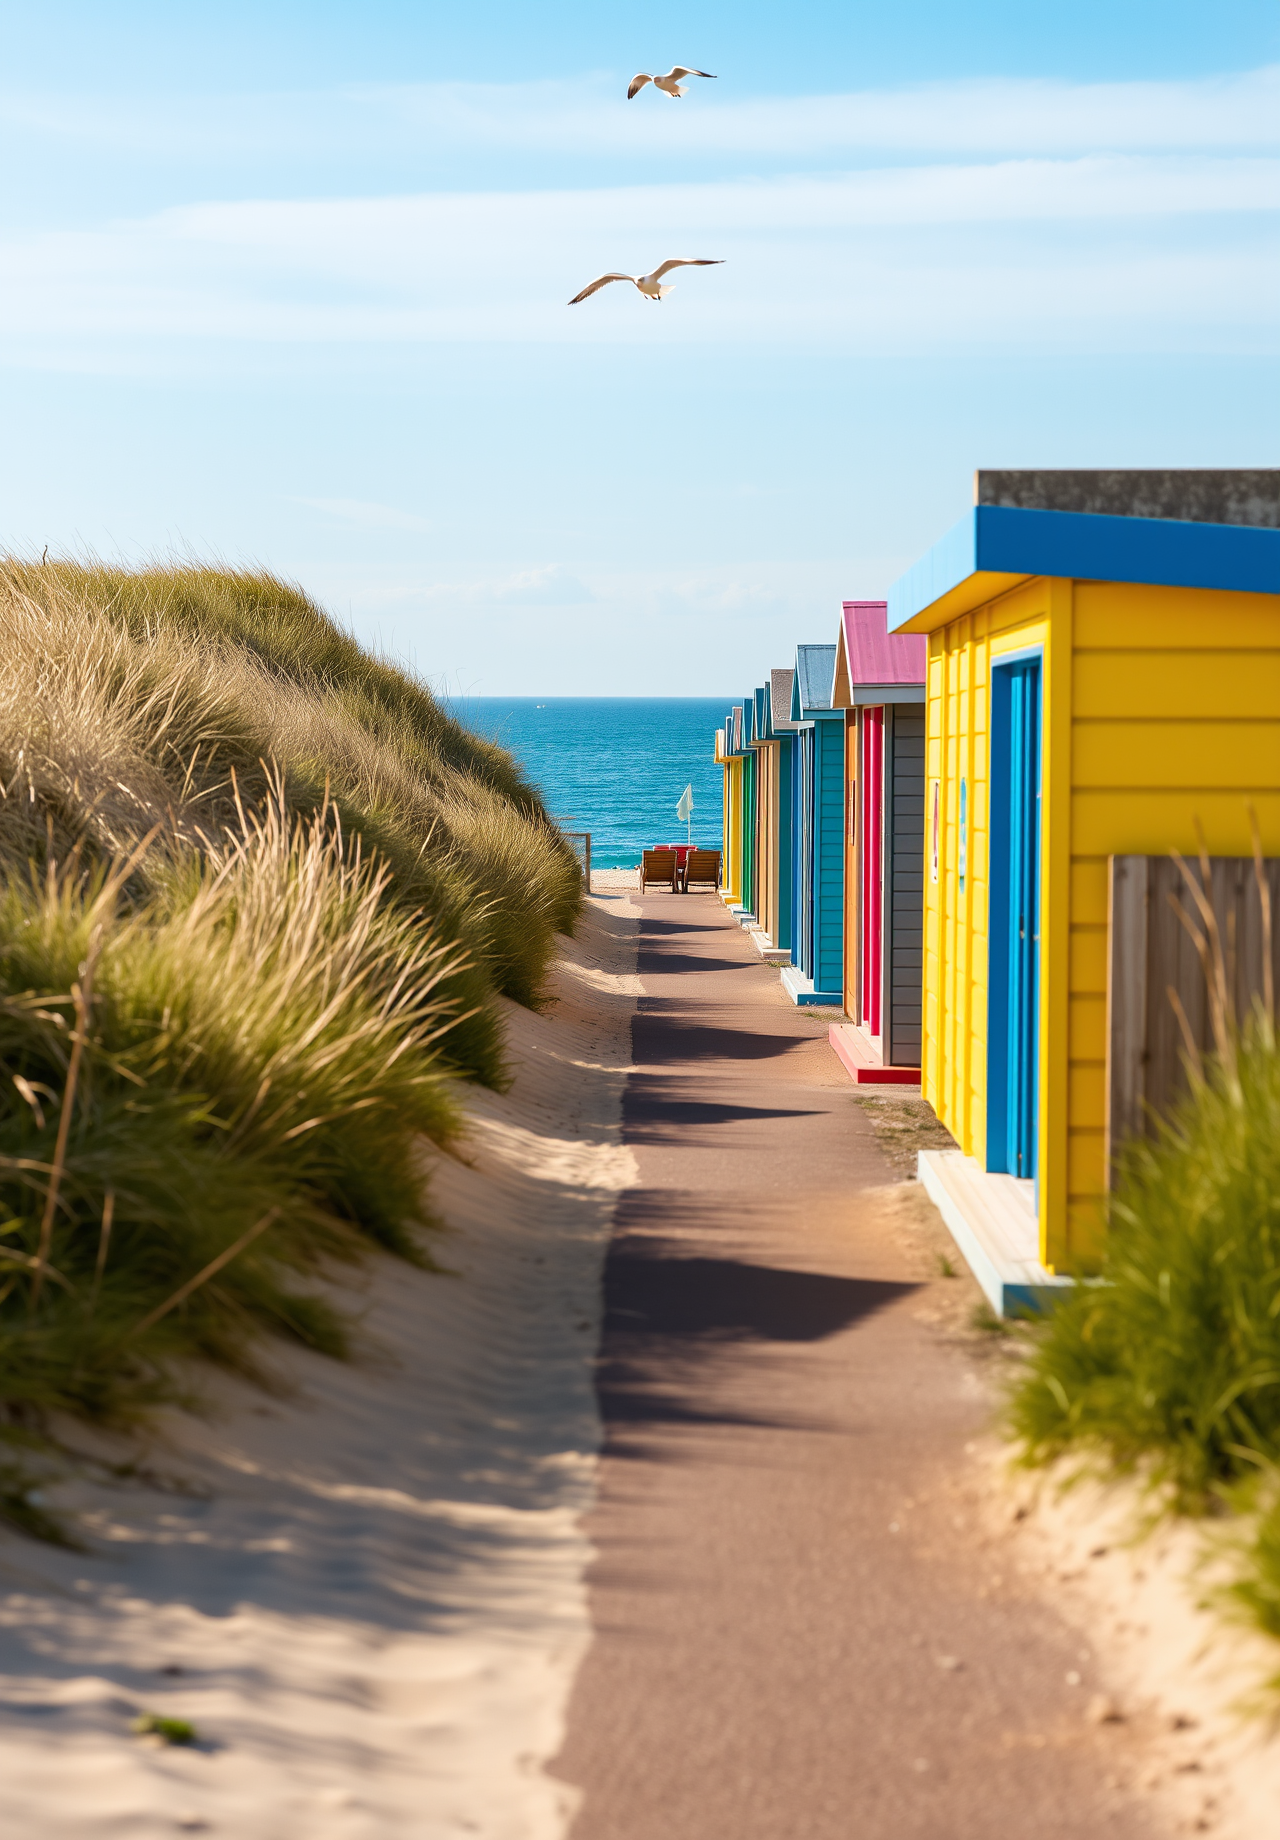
(287, 285)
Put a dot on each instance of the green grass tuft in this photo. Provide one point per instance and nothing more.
(259, 1040)
(23, 1511)
(173, 1731)
(1173, 1361)
(1254, 1593)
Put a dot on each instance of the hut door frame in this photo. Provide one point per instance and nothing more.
(802, 952)
(871, 868)
(852, 935)
(1017, 867)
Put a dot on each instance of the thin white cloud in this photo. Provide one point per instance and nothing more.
(699, 597)
(668, 629)
(987, 116)
(357, 513)
(586, 116)
(550, 585)
(414, 237)
(1158, 252)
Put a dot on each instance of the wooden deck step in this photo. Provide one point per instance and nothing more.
(860, 1061)
(992, 1219)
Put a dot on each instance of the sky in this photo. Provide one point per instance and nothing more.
(286, 286)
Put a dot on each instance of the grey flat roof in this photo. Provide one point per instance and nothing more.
(1197, 495)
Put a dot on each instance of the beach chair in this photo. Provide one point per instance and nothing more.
(659, 867)
(702, 869)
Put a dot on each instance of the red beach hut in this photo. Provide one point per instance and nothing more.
(880, 684)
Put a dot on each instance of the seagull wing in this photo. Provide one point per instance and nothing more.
(599, 282)
(678, 70)
(665, 268)
(637, 83)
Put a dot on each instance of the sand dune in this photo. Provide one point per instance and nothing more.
(367, 1592)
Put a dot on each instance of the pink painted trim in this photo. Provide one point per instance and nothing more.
(848, 1051)
(870, 865)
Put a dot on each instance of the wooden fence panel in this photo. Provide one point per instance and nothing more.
(1152, 953)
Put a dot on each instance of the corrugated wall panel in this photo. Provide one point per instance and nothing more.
(1175, 734)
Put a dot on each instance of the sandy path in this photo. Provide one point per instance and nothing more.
(803, 1625)
(367, 1595)
(814, 1612)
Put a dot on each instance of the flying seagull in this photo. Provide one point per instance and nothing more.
(649, 285)
(669, 85)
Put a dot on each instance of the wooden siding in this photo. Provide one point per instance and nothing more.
(751, 860)
(765, 757)
(1175, 718)
(1152, 953)
(828, 854)
(954, 1010)
(786, 851)
(802, 948)
(1160, 714)
(731, 832)
(904, 893)
(851, 942)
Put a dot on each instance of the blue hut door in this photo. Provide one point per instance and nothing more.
(802, 950)
(1024, 915)
(1014, 987)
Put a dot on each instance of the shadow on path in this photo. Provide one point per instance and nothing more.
(667, 1314)
(652, 1112)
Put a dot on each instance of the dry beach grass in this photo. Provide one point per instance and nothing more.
(261, 901)
(364, 1591)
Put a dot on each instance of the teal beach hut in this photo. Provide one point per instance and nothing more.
(816, 972)
(785, 732)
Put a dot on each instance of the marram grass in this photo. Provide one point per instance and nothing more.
(1170, 1366)
(1172, 1362)
(1254, 1595)
(259, 894)
(167, 697)
(257, 1040)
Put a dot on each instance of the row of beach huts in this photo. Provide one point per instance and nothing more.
(956, 818)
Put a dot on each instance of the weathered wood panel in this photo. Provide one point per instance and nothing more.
(1152, 953)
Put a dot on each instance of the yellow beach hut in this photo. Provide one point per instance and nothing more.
(1103, 688)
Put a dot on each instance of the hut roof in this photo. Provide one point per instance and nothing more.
(815, 667)
(995, 547)
(780, 686)
(1199, 495)
(871, 662)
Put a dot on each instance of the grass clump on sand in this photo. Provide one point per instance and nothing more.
(1169, 1366)
(1173, 1361)
(169, 1731)
(1255, 1592)
(258, 895)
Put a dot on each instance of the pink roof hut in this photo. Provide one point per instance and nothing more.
(880, 684)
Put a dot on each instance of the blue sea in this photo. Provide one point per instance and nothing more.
(613, 765)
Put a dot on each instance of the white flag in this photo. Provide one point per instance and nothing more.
(684, 810)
